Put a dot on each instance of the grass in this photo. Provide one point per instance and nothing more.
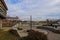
(5, 35)
(24, 38)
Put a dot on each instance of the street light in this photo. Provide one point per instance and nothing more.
(30, 22)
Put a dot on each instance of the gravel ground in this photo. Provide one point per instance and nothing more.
(53, 36)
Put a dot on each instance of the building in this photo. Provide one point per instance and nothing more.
(12, 18)
(3, 11)
(11, 21)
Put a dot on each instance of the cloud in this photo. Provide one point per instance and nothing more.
(39, 9)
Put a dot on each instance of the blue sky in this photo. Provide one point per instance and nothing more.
(39, 9)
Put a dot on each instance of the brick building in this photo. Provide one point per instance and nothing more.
(10, 21)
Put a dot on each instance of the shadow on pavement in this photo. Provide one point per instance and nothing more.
(50, 29)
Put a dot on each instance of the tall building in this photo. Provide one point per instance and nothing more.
(3, 11)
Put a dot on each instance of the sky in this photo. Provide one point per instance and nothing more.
(38, 9)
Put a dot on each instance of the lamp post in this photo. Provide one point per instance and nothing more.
(30, 22)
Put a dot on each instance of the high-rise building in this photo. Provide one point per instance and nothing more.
(3, 11)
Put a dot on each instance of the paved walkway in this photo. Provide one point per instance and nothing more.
(52, 33)
(22, 33)
(53, 36)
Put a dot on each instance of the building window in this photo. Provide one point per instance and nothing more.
(1, 10)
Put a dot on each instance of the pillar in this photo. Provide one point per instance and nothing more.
(0, 23)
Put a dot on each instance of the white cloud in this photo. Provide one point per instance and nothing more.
(36, 8)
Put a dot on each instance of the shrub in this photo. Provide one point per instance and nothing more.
(34, 35)
(14, 32)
